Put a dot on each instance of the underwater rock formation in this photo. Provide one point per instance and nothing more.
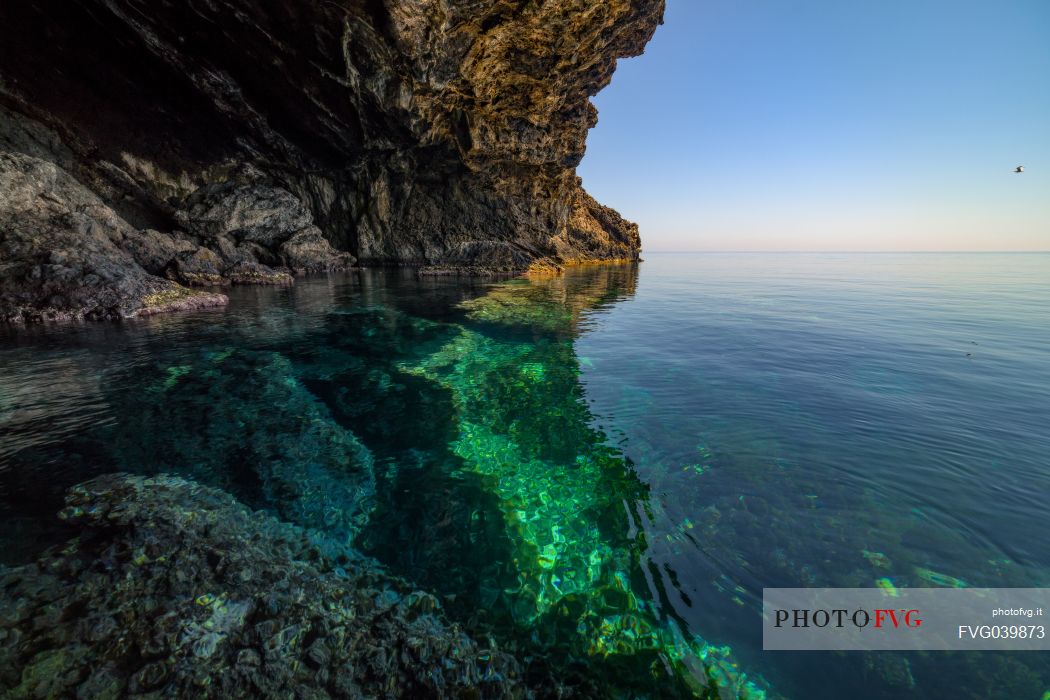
(176, 590)
(527, 435)
(244, 142)
(241, 421)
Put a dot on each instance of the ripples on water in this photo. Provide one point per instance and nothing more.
(609, 465)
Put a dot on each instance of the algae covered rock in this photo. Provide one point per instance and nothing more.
(176, 590)
(257, 273)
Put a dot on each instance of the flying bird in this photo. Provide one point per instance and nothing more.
(1019, 169)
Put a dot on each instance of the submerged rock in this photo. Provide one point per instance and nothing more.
(176, 590)
(240, 420)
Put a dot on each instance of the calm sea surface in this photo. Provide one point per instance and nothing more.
(605, 468)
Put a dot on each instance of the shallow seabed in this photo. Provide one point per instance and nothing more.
(600, 470)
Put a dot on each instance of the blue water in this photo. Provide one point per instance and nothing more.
(836, 403)
(611, 464)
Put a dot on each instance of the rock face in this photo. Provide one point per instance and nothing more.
(293, 136)
(173, 589)
(63, 253)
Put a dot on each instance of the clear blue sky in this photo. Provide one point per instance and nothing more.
(823, 125)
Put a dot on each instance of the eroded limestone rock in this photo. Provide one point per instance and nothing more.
(65, 254)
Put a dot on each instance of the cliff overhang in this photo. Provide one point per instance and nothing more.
(210, 143)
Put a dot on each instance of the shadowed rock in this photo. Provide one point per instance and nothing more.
(62, 252)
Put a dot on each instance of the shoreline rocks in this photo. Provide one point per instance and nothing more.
(176, 590)
(60, 253)
(66, 255)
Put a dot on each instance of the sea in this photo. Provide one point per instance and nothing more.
(605, 468)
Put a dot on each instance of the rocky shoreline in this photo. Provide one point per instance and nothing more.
(65, 254)
(146, 160)
(174, 589)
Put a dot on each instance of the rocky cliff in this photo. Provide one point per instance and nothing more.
(209, 142)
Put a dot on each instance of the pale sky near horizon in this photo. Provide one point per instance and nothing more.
(824, 125)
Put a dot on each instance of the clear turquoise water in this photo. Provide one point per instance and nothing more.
(604, 469)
